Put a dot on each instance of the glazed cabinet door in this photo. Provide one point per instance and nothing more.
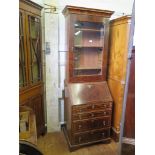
(23, 70)
(88, 48)
(34, 45)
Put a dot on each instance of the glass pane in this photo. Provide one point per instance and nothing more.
(88, 48)
(22, 65)
(35, 49)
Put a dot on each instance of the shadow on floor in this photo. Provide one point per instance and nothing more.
(128, 149)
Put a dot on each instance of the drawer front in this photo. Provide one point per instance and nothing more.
(80, 126)
(98, 135)
(91, 136)
(81, 116)
(92, 107)
(81, 138)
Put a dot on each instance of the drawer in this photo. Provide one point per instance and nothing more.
(92, 107)
(91, 136)
(98, 135)
(80, 126)
(81, 138)
(81, 116)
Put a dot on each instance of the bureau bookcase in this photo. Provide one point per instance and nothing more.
(88, 102)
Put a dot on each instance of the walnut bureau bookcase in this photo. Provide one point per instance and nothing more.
(30, 61)
(88, 102)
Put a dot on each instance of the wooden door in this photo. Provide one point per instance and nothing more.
(119, 35)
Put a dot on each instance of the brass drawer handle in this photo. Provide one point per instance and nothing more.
(92, 115)
(80, 117)
(80, 139)
(105, 113)
(104, 106)
(104, 123)
(93, 106)
(80, 126)
(92, 121)
(103, 134)
(90, 17)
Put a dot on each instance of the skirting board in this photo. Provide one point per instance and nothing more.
(128, 140)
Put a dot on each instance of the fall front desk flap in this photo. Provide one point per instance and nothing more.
(82, 93)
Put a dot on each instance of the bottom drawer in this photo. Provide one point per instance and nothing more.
(91, 136)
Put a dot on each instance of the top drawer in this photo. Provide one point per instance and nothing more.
(92, 107)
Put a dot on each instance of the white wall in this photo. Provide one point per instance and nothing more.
(51, 36)
(40, 2)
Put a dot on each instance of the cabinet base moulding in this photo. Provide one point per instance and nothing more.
(115, 134)
(75, 147)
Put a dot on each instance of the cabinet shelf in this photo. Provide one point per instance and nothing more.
(81, 46)
(89, 29)
(86, 68)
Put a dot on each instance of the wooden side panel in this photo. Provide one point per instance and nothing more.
(119, 36)
(37, 104)
(117, 92)
(129, 126)
(33, 98)
(67, 110)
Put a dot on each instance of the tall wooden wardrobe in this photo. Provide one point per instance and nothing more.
(88, 102)
(117, 66)
(30, 61)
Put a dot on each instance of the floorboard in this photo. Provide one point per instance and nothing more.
(55, 144)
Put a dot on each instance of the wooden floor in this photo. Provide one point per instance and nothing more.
(55, 144)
